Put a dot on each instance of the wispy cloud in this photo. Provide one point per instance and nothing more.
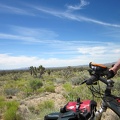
(71, 16)
(79, 6)
(39, 33)
(113, 33)
(17, 37)
(33, 11)
(29, 34)
(15, 10)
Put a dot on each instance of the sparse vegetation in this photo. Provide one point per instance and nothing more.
(22, 87)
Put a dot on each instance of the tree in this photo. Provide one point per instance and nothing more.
(41, 70)
(33, 71)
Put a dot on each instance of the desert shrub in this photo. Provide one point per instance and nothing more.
(5, 77)
(36, 84)
(75, 80)
(42, 107)
(11, 109)
(116, 88)
(17, 77)
(2, 99)
(83, 75)
(67, 86)
(40, 90)
(73, 92)
(46, 107)
(60, 81)
(2, 103)
(70, 93)
(11, 91)
(49, 78)
(10, 84)
(50, 88)
(48, 104)
(67, 73)
(8, 109)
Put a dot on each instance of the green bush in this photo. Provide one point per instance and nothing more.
(46, 88)
(70, 94)
(46, 107)
(42, 107)
(49, 88)
(36, 84)
(2, 104)
(48, 104)
(67, 86)
(75, 80)
(11, 109)
(73, 92)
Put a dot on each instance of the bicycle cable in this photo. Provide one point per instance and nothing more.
(96, 92)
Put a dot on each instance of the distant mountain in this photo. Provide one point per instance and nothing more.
(27, 68)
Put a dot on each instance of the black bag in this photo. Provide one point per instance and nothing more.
(75, 111)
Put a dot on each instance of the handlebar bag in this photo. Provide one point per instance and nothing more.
(74, 111)
(85, 108)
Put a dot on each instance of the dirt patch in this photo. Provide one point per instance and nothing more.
(57, 97)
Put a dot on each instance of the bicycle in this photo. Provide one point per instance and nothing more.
(87, 109)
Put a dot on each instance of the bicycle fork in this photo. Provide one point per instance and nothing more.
(98, 113)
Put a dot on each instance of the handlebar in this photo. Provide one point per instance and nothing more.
(91, 80)
(97, 71)
(94, 78)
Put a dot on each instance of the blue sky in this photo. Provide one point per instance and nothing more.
(56, 33)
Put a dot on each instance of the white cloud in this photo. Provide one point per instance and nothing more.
(87, 54)
(92, 50)
(116, 51)
(82, 4)
(12, 62)
(107, 49)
